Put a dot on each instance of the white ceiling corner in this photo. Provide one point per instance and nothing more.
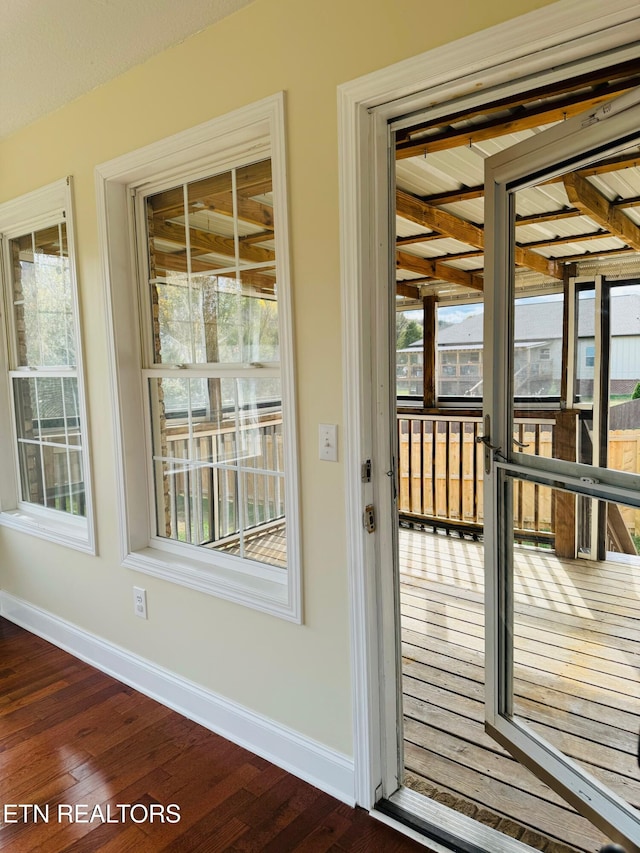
(53, 51)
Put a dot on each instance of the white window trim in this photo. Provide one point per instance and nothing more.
(238, 138)
(30, 212)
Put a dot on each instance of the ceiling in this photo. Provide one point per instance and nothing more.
(585, 222)
(53, 51)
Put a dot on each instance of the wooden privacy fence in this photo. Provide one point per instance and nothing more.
(441, 470)
(624, 455)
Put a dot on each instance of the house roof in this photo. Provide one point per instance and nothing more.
(540, 322)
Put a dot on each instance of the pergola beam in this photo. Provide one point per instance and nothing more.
(250, 211)
(177, 262)
(592, 203)
(418, 238)
(560, 87)
(452, 196)
(412, 208)
(518, 118)
(437, 270)
(411, 291)
(250, 181)
(612, 164)
(589, 256)
(600, 234)
(205, 241)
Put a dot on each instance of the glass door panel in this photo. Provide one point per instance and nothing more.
(623, 420)
(563, 667)
(576, 649)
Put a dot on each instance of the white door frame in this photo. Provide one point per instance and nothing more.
(576, 31)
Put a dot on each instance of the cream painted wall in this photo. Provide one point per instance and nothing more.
(297, 675)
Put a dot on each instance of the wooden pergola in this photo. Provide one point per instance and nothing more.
(590, 216)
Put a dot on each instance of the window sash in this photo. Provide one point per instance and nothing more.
(196, 501)
(45, 488)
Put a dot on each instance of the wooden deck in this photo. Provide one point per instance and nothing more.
(267, 546)
(577, 682)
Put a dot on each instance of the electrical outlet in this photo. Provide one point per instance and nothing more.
(140, 602)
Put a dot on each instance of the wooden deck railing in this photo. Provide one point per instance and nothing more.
(441, 469)
(205, 501)
(440, 474)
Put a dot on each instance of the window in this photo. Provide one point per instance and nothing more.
(590, 356)
(215, 432)
(47, 491)
(203, 366)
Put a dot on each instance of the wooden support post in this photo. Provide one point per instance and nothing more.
(566, 393)
(565, 447)
(602, 458)
(430, 346)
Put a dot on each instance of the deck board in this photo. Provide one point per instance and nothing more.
(576, 675)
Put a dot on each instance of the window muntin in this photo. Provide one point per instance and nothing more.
(216, 438)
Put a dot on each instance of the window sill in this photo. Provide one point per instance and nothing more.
(73, 534)
(232, 579)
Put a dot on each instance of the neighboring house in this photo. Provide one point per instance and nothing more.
(538, 351)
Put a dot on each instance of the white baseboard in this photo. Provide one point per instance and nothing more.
(317, 764)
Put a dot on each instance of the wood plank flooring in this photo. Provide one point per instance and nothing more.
(70, 735)
(576, 672)
(267, 546)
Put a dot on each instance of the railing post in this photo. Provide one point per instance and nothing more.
(430, 346)
(565, 447)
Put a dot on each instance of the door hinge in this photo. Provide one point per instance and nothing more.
(365, 471)
(369, 518)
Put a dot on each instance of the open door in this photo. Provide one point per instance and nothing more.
(594, 498)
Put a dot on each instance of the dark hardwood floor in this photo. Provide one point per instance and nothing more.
(72, 738)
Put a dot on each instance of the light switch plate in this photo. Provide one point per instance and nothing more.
(328, 442)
